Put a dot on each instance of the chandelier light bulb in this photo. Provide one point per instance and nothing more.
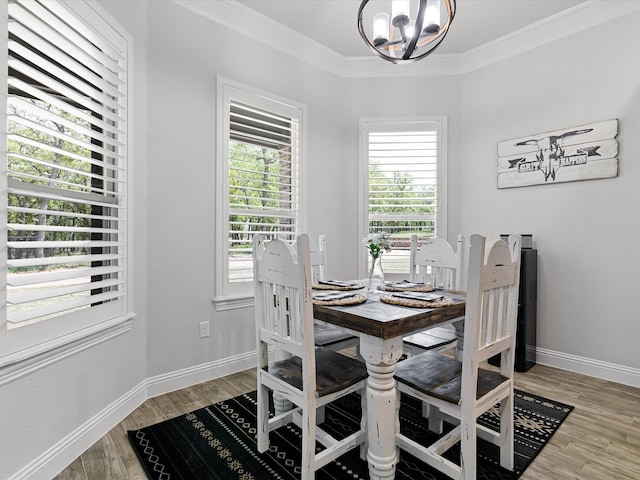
(400, 12)
(380, 28)
(432, 17)
(409, 29)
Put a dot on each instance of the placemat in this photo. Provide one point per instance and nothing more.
(346, 286)
(409, 302)
(410, 287)
(356, 299)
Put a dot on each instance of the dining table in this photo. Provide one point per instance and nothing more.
(381, 327)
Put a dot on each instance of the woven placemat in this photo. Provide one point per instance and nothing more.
(324, 286)
(397, 287)
(410, 302)
(357, 299)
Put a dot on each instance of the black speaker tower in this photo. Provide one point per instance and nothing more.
(527, 299)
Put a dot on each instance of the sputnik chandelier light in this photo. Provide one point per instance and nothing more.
(409, 32)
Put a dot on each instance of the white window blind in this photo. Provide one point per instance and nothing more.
(261, 161)
(66, 173)
(404, 193)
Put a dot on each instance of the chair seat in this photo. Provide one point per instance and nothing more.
(334, 372)
(325, 336)
(439, 376)
(432, 339)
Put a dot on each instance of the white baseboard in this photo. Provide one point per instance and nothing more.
(59, 456)
(588, 366)
(170, 382)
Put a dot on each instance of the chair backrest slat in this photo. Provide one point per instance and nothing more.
(436, 262)
(284, 309)
(492, 299)
(319, 261)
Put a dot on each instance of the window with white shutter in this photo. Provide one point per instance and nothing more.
(259, 180)
(65, 186)
(403, 184)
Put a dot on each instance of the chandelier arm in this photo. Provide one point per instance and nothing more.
(417, 31)
(430, 51)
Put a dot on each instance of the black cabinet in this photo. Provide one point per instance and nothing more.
(527, 299)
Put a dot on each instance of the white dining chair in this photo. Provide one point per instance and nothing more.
(326, 336)
(437, 263)
(307, 377)
(462, 390)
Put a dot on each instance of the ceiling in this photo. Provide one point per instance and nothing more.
(333, 23)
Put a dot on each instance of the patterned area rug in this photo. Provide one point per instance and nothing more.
(218, 442)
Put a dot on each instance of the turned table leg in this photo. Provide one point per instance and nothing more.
(382, 409)
(280, 404)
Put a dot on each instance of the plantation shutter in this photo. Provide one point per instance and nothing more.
(263, 182)
(403, 185)
(66, 170)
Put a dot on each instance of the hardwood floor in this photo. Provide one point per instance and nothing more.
(599, 440)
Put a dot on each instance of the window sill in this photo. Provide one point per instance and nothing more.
(232, 303)
(22, 363)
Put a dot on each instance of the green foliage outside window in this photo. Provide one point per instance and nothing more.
(260, 194)
(396, 193)
(32, 164)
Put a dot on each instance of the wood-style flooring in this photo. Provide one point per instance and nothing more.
(600, 440)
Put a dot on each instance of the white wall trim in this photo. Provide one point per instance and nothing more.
(60, 455)
(247, 21)
(176, 380)
(25, 363)
(583, 16)
(589, 366)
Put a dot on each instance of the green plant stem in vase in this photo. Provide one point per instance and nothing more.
(376, 274)
(376, 245)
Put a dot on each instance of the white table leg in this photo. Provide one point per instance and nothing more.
(382, 409)
(280, 403)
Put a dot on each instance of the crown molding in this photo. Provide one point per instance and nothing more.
(239, 17)
(581, 17)
(249, 22)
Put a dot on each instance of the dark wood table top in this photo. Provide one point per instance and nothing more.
(387, 321)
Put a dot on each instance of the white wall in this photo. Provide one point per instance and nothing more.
(587, 233)
(186, 53)
(177, 58)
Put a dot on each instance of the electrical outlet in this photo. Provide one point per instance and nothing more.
(204, 329)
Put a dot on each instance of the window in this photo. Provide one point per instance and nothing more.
(402, 184)
(65, 185)
(259, 177)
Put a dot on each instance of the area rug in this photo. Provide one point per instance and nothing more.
(218, 442)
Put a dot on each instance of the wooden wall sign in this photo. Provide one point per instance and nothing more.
(577, 153)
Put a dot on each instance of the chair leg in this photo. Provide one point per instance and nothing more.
(468, 446)
(506, 433)
(425, 410)
(308, 443)
(434, 418)
(364, 447)
(262, 419)
(320, 415)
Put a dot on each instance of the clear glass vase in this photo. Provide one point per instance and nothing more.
(376, 275)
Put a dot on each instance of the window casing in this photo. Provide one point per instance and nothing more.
(259, 177)
(64, 182)
(402, 185)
